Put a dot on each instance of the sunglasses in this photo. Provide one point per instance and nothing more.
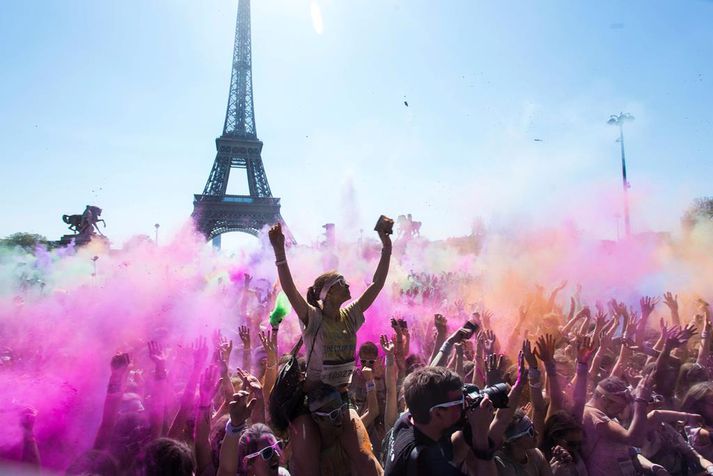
(267, 452)
(529, 432)
(367, 363)
(454, 403)
(335, 415)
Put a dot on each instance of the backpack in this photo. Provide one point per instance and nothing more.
(288, 394)
(387, 446)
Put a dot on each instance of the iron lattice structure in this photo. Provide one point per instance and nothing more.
(214, 211)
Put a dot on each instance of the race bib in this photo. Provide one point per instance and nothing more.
(337, 374)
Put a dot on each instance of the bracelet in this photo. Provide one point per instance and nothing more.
(233, 430)
(370, 385)
(281, 262)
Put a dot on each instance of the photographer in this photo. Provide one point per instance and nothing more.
(420, 443)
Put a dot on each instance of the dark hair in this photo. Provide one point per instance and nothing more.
(694, 401)
(611, 384)
(369, 347)
(248, 443)
(93, 463)
(556, 427)
(690, 374)
(426, 387)
(167, 457)
(320, 391)
(314, 290)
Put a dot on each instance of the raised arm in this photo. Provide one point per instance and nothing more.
(671, 301)
(114, 392)
(545, 352)
(391, 412)
(178, 426)
(441, 325)
(372, 403)
(382, 270)
(534, 378)
(241, 407)
(30, 450)
(209, 386)
(277, 240)
(503, 416)
(157, 404)
(585, 350)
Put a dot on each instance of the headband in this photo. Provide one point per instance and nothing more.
(625, 393)
(328, 285)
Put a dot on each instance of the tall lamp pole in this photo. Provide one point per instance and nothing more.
(619, 120)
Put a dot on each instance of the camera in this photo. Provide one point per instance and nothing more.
(385, 224)
(497, 393)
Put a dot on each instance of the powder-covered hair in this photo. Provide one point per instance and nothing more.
(316, 288)
(248, 443)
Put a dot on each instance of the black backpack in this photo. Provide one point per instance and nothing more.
(287, 394)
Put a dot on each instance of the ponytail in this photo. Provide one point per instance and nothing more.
(313, 297)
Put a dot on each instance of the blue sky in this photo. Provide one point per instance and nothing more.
(118, 104)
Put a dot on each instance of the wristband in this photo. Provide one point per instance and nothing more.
(233, 430)
(281, 262)
(370, 386)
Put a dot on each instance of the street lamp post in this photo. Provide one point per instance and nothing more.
(156, 239)
(619, 120)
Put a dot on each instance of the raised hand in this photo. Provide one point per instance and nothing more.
(244, 333)
(671, 300)
(600, 319)
(493, 372)
(199, 349)
(209, 385)
(521, 369)
(386, 345)
(585, 349)
(277, 238)
(120, 363)
(528, 355)
(268, 343)
(28, 416)
(441, 323)
(156, 353)
(545, 348)
(250, 382)
(489, 342)
(647, 305)
(241, 407)
(223, 345)
(367, 373)
(486, 316)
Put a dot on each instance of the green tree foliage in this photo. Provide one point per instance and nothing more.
(701, 210)
(26, 241)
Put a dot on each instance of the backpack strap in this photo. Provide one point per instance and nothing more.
(412, 463)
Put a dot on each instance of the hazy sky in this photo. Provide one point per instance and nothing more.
(118, 103)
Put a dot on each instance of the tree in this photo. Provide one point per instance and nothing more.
(26, 241)
(701, 210)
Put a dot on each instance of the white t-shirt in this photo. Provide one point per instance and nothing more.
(332, 359)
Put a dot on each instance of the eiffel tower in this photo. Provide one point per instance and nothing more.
(214, 211)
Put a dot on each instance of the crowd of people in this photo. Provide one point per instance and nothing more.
(592, 388)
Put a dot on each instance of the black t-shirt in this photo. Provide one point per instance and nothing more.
(434, 457)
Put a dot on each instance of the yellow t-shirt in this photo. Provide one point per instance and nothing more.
(332, 359)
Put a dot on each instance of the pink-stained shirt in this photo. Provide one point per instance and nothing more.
(602, 456)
